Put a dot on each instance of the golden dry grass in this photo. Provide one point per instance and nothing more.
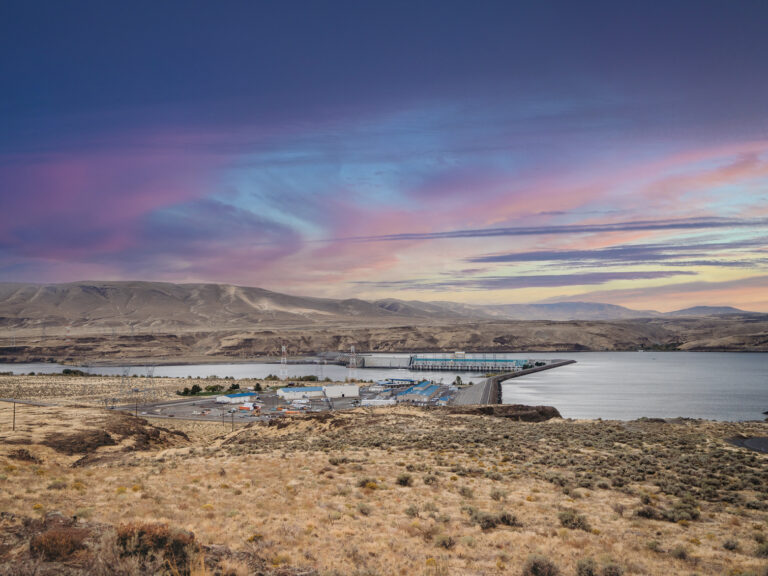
(325, 494)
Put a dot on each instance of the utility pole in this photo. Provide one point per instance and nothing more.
(14, 414)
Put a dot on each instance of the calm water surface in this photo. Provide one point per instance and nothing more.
(628, 385)
(609, 385)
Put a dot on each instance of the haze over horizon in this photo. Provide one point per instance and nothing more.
(423, 150)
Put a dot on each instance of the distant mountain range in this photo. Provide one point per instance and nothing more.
(166, 306)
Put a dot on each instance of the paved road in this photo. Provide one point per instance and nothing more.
(479, 393)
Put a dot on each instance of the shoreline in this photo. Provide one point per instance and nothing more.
(222, 361)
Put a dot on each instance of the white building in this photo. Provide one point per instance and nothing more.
(237, 398)
(342, 391)
(297, 393)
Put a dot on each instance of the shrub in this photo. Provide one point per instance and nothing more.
(405, 480)
(586, 567)
(430, 479)
(57, 485)
(685, 510)
(571, 519)
(486, 521)
(498, 495)
(367, 483)
(508, 519)
(143, 540)
(679, 552)
(648, 512)
(539, 566)
(444, 541)
(762, 550)
(412, 511)
(466, 492)
(364, 509)
(611, 569)
(730, 544)
(58, 543)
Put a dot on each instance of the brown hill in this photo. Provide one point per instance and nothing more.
(205, 322)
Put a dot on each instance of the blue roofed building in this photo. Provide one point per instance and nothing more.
(422, 392)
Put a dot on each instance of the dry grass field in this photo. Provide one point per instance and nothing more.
(94, 390)
(378, 492)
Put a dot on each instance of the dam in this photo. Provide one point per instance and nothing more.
(445, 361)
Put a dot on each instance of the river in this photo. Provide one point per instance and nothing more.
(608, 385)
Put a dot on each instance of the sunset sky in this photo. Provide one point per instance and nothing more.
(484, 152)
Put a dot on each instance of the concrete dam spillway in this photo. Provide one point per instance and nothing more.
(449, 362)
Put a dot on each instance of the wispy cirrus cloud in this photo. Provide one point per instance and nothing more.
(671, 253)
(751, 293)
(699, 223)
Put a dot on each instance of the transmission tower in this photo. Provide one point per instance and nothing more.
(151, 392)
(283, 362)
(352, 365)
(125, 383)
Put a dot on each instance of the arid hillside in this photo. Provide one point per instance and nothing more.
(715, 333)
(379, 492)
(113, 321)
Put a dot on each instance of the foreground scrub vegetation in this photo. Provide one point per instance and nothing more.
(384, 491)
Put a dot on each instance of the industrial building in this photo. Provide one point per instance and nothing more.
(297, 393)
(422, 392)
(342, 391)
(238, 398)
